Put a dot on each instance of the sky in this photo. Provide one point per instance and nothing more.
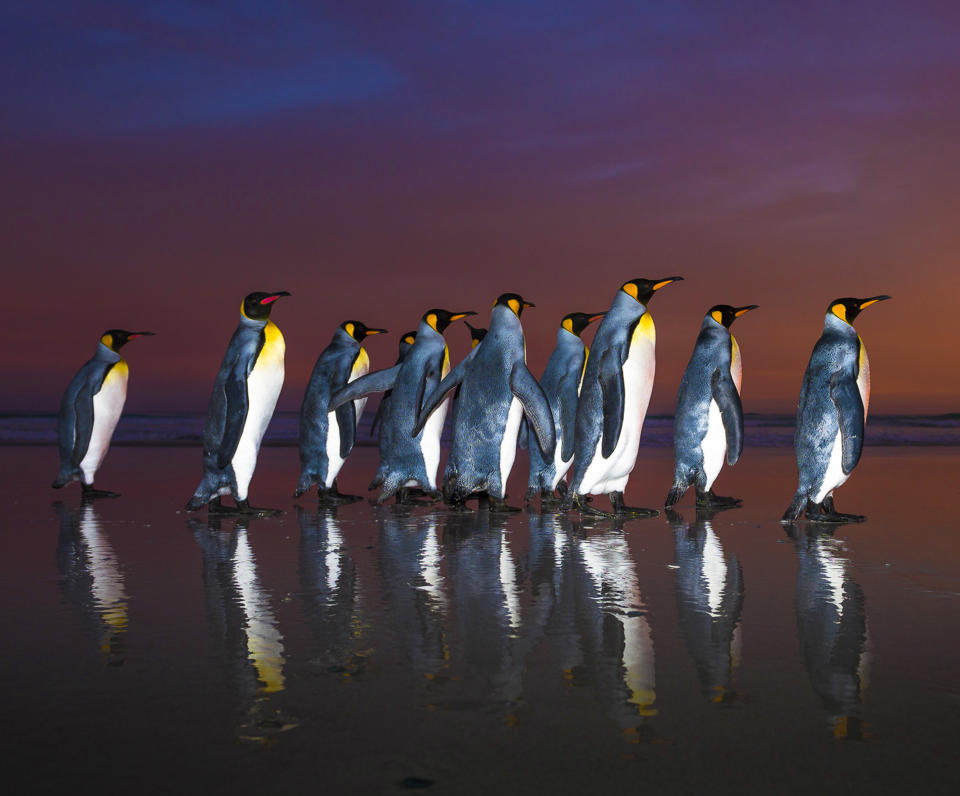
(376, 159)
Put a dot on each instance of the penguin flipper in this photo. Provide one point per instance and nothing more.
(725, 393)
(846, 398)
(612, 389)
(568, 413)
(346, 415)
(235, 391)
(83, 424)
(535, 407)
(427, 402)
(379, 381)
(523, 436)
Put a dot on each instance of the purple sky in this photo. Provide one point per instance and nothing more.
(378, 159)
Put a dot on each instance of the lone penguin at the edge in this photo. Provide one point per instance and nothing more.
(561, 385)
(614, 396)
(244, 396)
(326, 438)
(89, 412)
(497, 390)
(834, 399)
(708, 422)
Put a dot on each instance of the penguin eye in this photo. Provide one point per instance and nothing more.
(717, 316)
(631, 290)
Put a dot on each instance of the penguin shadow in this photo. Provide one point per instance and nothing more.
(91, 578)
(331, 595)
(416, 590)
(243, 628)
(709, 592)
(832, 627)
(602, 629)
(486, 589)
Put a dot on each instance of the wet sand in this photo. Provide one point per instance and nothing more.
(379, 650)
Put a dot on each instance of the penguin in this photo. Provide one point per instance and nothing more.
(561, 385)
(708, 423)
(408, 459)
(497, 390)
(326, 438)
(832, 411)
(89, 411)
(406, 341)
(614, 394)
(244, 396)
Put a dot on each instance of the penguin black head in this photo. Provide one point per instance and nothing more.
(476, 335)
(515, 302)
(408, 339)
(576, 322)
(725, 315)
(257, 306)
(358, 330)
(642, 290)
(846, 309)
(438, 319)
(115, 339)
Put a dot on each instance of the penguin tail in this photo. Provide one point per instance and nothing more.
(307, 480)
(68, 472)
(792, 514)
(195, 503)
(676, 492)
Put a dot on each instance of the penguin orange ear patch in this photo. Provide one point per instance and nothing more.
(107, 340)
(840, 311)
(568, 325)
(408, 339)
(348, 328)
(717, 316)
(514, 305)
(631, 290)
(432, 320)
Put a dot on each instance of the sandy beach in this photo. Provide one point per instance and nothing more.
(378, 650)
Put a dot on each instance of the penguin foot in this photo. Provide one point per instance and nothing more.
(244, 508)
(622, 510)
(499, 506)
(531, 494)
(87, 493)
(562, 488)
(708, 500)
(332, 497)
(834, 518)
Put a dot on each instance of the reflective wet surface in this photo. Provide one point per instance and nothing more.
(385, 649)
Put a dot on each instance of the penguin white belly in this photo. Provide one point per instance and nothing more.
(334, 460)
(834, 476)
(107, 406)
(560, 466)
(610, 475)
(713, 446)
(432, 429)
(263, 389)
(508, 444)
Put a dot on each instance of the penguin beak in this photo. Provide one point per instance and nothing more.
(596, 316)
(374, 331)
(270, 299)
(528, 304)
(139, 334)
(744, 310)
(456, 316)
(666, 281)
(867, 302)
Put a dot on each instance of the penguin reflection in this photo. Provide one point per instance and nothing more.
(709, 589)
(832, 625)
(331, 591)
(415, 588)
(614, 633)
(242, 623)
(90, 576)
(486, 600)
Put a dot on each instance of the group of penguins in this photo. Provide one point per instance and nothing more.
(585, 413)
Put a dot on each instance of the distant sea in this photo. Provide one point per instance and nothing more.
(761, 430)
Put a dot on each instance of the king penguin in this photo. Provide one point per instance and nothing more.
(89, 411)
(614, 395)
(408, 459)
(497, 391)
(708, 423)
(832, 411)
(326, 438)
(561, 385)
(403, 346)
(244, 397)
